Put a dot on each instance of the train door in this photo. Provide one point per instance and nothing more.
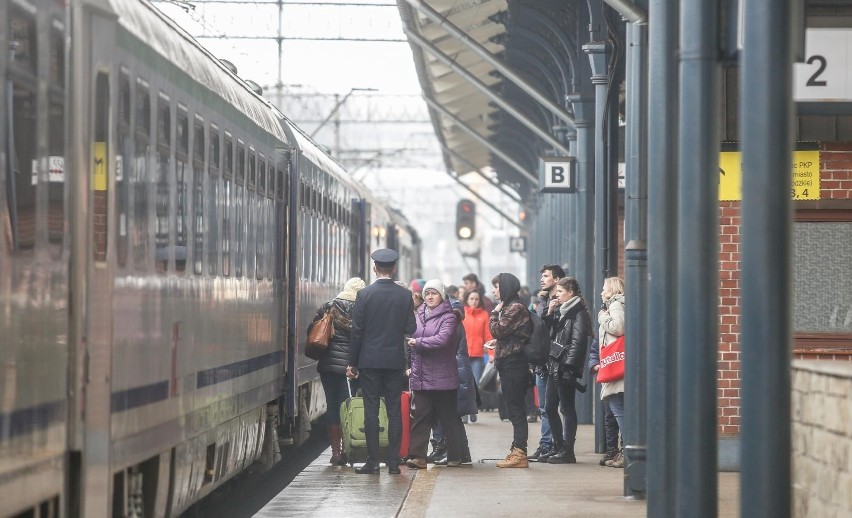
(93, 88)
(33, 259)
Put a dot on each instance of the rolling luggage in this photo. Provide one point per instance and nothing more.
(354, 433)
(405, 412)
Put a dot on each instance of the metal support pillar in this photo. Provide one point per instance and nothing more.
(584, 112)
(766, 122)
(662, 256)
(599, 59)
(696, 462)
(636, 257)
(571, 211)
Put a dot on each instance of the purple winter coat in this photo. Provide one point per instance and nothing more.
(433, 358)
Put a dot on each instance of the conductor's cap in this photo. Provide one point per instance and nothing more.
(385, 257)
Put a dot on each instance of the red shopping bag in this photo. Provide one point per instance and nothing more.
(405, 415)
(612, 361)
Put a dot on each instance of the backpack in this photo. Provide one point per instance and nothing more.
(538, 348)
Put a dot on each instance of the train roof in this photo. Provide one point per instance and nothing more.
(166, 38)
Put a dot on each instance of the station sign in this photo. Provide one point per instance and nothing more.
(557, 174)
(825, 75)
(805, 182)
(517, 244)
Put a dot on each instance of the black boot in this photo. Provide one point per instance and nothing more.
(439, 454)
(368, 468)
(565, 455)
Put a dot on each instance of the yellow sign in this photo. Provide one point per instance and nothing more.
(805, 176)
(99, 167)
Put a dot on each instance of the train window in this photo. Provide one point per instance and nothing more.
(56, 73)
(198, 219)
(139, 176)
(22, 39)
(252, 170)
(181, 202)
(239, 229)
(280, 180)
(56, 144)
(21, 185)
(163, 205)
(240, 170)
(100, 169)
(261, 176)
(122, 160)
(228, 170)
(213, 204)
(225, 205)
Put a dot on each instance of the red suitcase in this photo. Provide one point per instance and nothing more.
(405, 411)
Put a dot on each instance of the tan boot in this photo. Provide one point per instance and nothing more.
(517, 458)
(335, 437)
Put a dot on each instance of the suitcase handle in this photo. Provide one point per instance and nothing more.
(349, 386)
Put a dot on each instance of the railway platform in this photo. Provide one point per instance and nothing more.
(583, 489)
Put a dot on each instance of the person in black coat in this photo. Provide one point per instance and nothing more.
(332, 365)
(383, 315)
(571, 326)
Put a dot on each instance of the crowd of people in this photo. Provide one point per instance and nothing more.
(436, 341)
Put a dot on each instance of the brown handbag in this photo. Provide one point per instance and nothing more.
(319, 336)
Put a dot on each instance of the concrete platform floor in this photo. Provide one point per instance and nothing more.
(583, 489)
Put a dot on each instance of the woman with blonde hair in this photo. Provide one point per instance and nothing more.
(332, 364)
(610, 327)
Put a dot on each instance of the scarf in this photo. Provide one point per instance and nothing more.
(570, 303)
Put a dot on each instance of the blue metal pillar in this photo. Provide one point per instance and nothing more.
(698, 260)
(766, 121)
(662, 256)
(584, 112)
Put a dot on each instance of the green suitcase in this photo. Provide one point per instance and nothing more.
(354, 434)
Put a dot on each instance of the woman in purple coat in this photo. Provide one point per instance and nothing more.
(434, 376)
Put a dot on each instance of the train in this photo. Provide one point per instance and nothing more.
(166, 236)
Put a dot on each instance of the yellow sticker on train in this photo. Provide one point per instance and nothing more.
(99, 167)
(805, 184)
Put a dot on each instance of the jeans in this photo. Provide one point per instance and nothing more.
(375, 384)
(560, 395)
(546, 438)
(514, 373)
(616, 404)
(336, 392)
(611, 427)
(477, 364)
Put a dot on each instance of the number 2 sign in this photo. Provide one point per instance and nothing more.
(826, 74)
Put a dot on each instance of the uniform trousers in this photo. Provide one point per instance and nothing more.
(375, 384)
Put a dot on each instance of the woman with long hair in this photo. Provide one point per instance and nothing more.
(611, 326)
(476, 331)
(570, 324)
(332, 364)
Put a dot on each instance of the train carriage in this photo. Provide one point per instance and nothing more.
(167, 235)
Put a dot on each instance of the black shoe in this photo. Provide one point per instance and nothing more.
(563, 456)
(394, 470)
(545, 453)
(368, 469)
(537, 453)
(440, 460)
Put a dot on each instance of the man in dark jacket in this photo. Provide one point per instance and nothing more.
(383, 315)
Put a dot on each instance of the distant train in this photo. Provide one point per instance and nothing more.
(165, 237)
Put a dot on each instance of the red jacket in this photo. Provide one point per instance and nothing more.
(476, 330)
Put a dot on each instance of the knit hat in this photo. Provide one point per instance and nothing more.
(417, 285)
(351, 288)
(435, 284)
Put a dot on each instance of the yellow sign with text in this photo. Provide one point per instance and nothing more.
(99, 171)
(805, 176)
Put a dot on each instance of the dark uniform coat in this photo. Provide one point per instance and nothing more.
(383, 315)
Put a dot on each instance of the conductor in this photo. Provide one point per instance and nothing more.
(382, 316)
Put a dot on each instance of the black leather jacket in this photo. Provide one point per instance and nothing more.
(336, 358)
(572, 331)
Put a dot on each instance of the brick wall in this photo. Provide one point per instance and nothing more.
(835, 184)
(822, 438)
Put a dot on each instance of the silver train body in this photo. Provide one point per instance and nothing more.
(165, 237)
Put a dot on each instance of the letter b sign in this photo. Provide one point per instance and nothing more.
(558, 174)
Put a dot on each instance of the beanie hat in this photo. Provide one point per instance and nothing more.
(435, 284)
(351, 288)
(417, 285)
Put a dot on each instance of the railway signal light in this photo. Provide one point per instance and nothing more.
(465, 219)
